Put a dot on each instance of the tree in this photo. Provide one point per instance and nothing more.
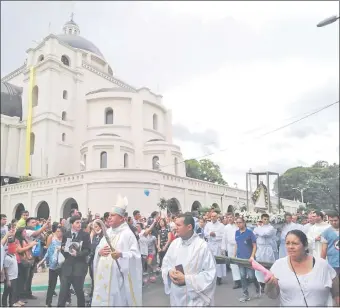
(204, 170)
(320, 185)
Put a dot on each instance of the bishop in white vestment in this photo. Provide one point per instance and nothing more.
(189, 268)
(114, 286)
(214, 231)
(228, 244)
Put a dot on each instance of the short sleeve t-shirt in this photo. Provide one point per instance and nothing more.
(244, 241)
(147, 244)
(316, 284)
(11, 265)
(331, 237)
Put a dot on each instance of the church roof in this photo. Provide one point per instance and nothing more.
(11, 101)
(77, 41)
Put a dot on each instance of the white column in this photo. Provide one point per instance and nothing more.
(56, 215)
(22, 150)
(4, 147)
(12, 150)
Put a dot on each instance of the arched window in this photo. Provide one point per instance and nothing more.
(41, 58)
(65, 94)
(155, 122)
(109, 70)
(65, 60)
(126, 160)
(63, 137)
(108, 116)
(176, 165)
(32, 143)
(155, 163)
(103, 160)
(63, 116)
(35, 96)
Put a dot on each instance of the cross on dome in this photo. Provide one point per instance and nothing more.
(70, 27)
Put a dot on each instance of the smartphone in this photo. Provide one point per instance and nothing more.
(180, 268)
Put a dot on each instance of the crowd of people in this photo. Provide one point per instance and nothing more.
(133, 251)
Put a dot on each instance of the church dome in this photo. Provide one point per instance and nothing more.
(80, 42)
(11, 101)
(71, 37)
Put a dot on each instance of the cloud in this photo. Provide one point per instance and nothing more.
(208, 137)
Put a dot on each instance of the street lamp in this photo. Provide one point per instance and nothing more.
(327, 21)
(301, 191)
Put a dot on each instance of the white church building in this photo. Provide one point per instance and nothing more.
(92, 136)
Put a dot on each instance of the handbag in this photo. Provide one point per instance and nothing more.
(60, 259)
(26, 259)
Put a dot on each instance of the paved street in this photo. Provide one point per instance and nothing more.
(153, 295)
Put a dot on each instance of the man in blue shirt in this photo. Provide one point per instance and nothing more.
(245, 248)
(330, 242)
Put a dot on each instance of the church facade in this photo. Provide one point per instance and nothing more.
(91, 137)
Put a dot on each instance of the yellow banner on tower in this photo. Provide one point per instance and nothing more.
(29, 122)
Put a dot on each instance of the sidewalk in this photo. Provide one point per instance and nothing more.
(40, 282)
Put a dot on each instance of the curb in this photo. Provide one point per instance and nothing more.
(40, 288)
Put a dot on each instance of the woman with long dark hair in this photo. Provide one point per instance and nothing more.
(51, 257)
(164, 239)
(300, 279)
(25, 263)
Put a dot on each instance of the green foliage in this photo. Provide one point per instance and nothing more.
(169, 205)
(204, 170)
(320, 183)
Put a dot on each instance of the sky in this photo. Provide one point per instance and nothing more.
(229, 71)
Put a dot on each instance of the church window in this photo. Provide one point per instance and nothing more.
(41, 58)
(32, 143)
(110, 71)
(155, 163)
(63, 137)
(155, 122)
(70, 31)
(65, 60)
(126, 160)
(176, 165)
(65, 94)
(35, 96)
(63, 116)
(108, 116)
(103, 160)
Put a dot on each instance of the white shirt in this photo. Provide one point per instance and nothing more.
(2, 256)
(316, 284)
(11, 265)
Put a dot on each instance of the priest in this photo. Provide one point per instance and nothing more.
(214, 231)
(288, 226)
(118, 272)
(189, 268)
(228, 244)
(314, 234)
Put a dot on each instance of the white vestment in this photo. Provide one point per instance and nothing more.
(285, 229)
(265, 245)
(110, 288)
(313, 232)
(199, 269)
(228, 244)
(214, 243)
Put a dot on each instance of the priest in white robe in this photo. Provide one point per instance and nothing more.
(288, 226)
(118, 285)
(214, 231)
(265, 249)
(314, 234)
(189, 268)
(228, 244)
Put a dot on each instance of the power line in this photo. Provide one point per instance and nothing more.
(262, 135)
